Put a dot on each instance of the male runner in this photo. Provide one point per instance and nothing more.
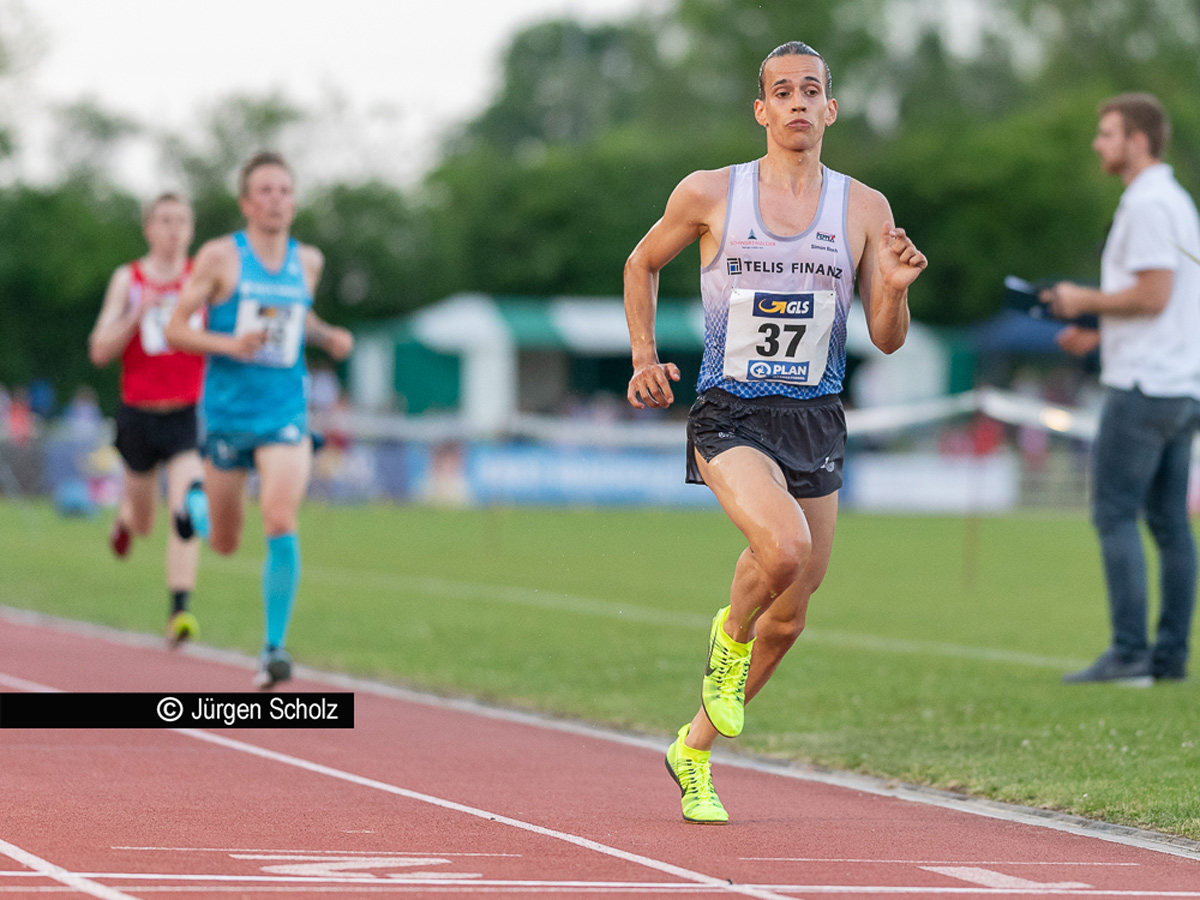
(781, 242)
(257, 285)
(156, 423)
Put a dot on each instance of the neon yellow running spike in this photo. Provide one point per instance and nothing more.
(181, 627)
(724, 691)
(693, 773)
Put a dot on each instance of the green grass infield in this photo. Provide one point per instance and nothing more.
(933, 651)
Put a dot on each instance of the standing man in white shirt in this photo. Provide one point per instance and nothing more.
(1149, 339)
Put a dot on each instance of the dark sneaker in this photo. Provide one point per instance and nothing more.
(1170, 673)
(192, 519)
(1109, 668)
(274, 666)
(119, 539)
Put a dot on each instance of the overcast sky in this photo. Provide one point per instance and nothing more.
(410, 67)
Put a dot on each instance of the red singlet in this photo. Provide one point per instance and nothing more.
(152, 374)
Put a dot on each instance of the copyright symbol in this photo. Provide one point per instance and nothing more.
(170, 709)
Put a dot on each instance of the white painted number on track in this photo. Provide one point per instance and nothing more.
(988, 878)
(341, 866)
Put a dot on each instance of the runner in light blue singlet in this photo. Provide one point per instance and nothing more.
(265, 400)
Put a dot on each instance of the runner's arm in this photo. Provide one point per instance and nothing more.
(212, 278)
(890, 262)
(117, 322)
(683, 221)
(338, 342)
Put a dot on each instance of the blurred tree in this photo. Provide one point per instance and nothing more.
(58, 247)
(88, 138)
(208, 157)
(376, 250)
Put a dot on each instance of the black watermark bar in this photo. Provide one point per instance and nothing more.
(211, 710)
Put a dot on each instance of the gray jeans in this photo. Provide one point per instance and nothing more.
(1141, 459)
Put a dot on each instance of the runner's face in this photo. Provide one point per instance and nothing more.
(1112, 143)
(168, 229)
(269, 203)
(796, 109)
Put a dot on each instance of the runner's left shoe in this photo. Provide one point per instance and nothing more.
(692, 771)
(724, 690)
(120, 539)
(182, 626)
(274, 666)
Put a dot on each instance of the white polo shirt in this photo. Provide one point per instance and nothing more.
(1155, 227)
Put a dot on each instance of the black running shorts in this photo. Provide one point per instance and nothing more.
(146, 438)
(806, 438)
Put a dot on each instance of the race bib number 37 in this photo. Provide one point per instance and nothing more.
(284, 325)
(779, 337)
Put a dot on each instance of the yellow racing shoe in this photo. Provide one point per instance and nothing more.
(182, 626)
(724, 690)
(693, 773)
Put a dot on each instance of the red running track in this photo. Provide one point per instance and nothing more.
(428, 797)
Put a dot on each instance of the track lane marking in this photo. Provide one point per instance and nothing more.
(330, 772)
(585, 843)
(73, 880)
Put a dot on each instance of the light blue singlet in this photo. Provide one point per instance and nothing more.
(267, 396)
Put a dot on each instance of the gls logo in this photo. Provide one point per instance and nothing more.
(783, 306)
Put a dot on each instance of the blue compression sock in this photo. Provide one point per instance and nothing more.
(281, 579)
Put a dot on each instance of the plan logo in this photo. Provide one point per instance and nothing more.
(760, 370)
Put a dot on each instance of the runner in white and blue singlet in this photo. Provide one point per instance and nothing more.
(782, 240)
(258, 286)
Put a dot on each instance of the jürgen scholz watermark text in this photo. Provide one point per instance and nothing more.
(191, 710)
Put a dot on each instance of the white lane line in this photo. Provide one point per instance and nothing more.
(585, 843)
(73, 880)
(399, 853)
(931, 862)
(259, 885)
(886, 787)
(330, 772)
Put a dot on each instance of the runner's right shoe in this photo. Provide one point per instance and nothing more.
(724, 690)
(119, 539)
(692, 771)
(192, 519)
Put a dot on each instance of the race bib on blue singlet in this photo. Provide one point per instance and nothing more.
(284, 325)
(779, 337)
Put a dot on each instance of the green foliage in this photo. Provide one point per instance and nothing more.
(932, 655)
(376, 248)
(983, 153)
(58, 247)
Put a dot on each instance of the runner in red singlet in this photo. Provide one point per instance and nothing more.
(156, 424)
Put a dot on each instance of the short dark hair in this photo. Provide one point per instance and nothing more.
(165, 197)
(793, 48)
(257, 161)
(1144, 113)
